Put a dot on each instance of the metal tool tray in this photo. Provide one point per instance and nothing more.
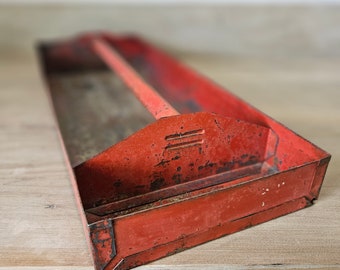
(209, 165)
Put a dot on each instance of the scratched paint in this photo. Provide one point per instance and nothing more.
(219, 167)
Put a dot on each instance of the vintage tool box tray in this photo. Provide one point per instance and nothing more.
(164, 159)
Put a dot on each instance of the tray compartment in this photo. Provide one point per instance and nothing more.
(149, 188)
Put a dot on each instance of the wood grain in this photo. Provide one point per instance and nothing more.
(243, 30)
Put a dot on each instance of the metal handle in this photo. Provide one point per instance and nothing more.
(148, 96)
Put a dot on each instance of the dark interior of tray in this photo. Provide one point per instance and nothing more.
(95, 111)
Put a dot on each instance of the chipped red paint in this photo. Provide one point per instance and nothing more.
(157, 106)
(225, 145)
(217, 167)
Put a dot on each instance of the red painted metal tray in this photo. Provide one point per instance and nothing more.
(183, 163)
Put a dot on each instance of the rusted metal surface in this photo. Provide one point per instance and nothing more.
(156, 105)
(94, 99)
(209, 165)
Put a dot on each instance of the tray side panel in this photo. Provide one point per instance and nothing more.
(147, 235)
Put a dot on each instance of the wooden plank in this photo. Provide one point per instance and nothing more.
(254, 29)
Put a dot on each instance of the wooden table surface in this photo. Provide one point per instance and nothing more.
(40, 225)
